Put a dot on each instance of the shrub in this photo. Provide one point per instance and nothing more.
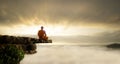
(10, 54)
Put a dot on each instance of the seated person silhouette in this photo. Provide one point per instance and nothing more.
(42, 35)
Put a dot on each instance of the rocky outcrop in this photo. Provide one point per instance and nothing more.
(17, 40)
(13, 48)
(5, 39)
(27, 44)
(28, 49)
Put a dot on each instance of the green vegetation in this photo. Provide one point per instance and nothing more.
(10, 54)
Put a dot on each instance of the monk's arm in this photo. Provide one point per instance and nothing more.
(45, 33)
(38, 33)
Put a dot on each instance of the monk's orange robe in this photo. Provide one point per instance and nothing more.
(42, 35)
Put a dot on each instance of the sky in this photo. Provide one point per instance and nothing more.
(61, 17)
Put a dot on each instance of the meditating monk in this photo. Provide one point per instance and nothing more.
(42, 34)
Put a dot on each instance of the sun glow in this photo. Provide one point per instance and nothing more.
(32, 26)
(33, 30)
(57, 30)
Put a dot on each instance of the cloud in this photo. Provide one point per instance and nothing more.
(99, 38)
(104, 37)
(113, 36)
(77, 12)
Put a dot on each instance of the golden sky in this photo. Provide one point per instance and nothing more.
(59, 17)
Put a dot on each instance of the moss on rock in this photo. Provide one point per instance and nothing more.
(10, 54)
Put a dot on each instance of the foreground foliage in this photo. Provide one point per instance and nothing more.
(10, 54)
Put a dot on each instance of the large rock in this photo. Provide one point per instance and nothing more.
(5, 39)
(25, 43)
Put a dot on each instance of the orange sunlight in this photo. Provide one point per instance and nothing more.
(60, 29)
(52, 30)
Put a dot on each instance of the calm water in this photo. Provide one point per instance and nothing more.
(72, 54)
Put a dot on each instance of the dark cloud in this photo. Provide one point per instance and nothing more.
(13, 11)
(104, 12)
